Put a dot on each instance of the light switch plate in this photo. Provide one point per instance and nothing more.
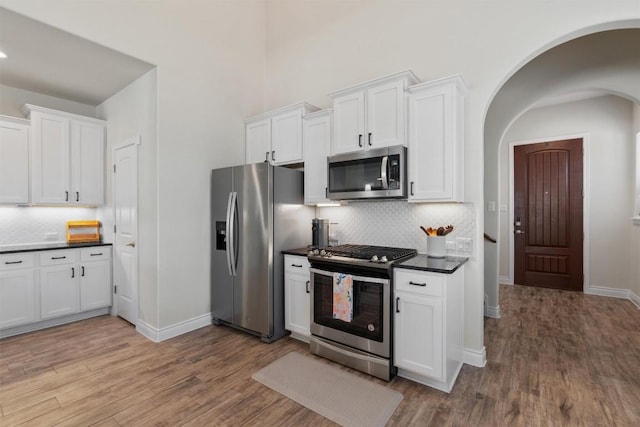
(464, 244)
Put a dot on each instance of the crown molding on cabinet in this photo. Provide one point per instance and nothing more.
(412, 79)
(307, 107)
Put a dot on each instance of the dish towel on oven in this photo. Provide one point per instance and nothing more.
(342, 297)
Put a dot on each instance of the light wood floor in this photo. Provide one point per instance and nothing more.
(554, 358)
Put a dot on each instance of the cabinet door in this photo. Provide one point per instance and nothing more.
(431, 143)
(419, 345)
(258, 141)
(386, 115)
(95, 285)
(348, 123)
(87, 163)
(17, 302)
(50, 178)
(286, 138)
(14, 163)
(297, 303)
(59, 294)
(317, 143)
(297, 296)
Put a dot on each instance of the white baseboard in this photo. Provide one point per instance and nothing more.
(53, 322)
(168, 332)
(505, 280)
(634, 299)
(475, 357)
(492, 312)
(604, 291)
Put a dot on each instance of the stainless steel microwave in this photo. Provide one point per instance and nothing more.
(371, 174)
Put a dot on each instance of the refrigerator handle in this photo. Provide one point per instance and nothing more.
(229, 232)
(233, 249)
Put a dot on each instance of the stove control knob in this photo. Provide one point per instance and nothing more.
(383, 259)
(323, 252)
(374, 258)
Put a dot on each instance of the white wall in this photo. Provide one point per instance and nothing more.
(134, 112)
(13, 99)
(210, 58)
(315, 47)
(610, 169)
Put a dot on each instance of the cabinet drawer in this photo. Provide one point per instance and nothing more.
(17, 260)
(418, 282)
(65, 256)
(95, 253)
(296, 264)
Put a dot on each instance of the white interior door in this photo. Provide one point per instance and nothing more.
(125, 263)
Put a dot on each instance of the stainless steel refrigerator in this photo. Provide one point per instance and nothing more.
(257, 211)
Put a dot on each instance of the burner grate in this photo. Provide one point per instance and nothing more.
(367, 251)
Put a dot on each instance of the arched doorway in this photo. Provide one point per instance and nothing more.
(599, 61)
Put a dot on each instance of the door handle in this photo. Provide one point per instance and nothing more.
(383, 172)
(518, 231)
(132, 244)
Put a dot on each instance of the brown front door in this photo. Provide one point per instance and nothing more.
(548, 214)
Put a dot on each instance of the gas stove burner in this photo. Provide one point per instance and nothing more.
(371, 253)
(379, 256)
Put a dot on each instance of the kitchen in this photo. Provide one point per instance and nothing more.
(174, 289)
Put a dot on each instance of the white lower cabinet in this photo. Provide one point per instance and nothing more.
(17, 290)
(428, 334)
(41, 287)
(297, 297)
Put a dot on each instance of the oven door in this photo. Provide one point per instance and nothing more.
(369, 328)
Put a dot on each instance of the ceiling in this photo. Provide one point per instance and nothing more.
(52, 62)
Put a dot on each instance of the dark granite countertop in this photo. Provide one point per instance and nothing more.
(47, 246)
(423, 262)
(299, 251)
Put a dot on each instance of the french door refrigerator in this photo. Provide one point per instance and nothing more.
(257, 211)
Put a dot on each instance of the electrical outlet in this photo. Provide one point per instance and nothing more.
(51, 236)
(464, 244)
(451, 245)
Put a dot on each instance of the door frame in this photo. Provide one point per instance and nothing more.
(586, 287)
(133, 141)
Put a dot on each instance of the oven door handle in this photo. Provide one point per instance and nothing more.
(351, 354)
(359, 278)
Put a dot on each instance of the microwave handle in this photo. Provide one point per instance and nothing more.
(383, 172)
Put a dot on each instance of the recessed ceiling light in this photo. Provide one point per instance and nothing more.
(2, 55)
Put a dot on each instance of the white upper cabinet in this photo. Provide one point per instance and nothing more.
(436, 141)
(372, 114)
(67, 158)
(317, 144)
(258, 146)
(276, 136)
(87, 159)
(14, 160)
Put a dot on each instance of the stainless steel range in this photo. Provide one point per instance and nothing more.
(351, 305)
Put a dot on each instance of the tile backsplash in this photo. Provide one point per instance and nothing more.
(397, 223)
(24, 225)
